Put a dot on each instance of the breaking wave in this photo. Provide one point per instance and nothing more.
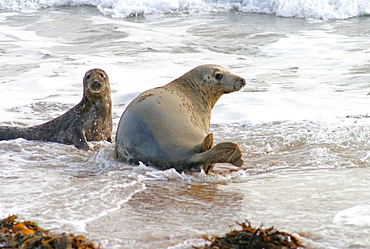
(316, 9)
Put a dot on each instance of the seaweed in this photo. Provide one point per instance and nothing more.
(28, 235)
(251, 238)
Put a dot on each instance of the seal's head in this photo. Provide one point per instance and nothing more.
(219, 78)
(96, 82)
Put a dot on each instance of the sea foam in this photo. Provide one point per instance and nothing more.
(316, 9)
(358, 215)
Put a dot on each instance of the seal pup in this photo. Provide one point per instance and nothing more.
(168, 126)
(89, 120)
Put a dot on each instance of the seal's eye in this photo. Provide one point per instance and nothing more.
(88, 76)
(219, 76)
(102, 75)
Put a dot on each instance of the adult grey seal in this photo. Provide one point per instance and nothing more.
(168, 126)
(89, 120)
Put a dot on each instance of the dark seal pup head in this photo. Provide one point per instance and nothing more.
(96, 83)
(168, 126)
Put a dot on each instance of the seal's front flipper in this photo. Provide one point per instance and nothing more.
(226, 153)
(222, 153)
(206, 144)
(208, 167)
(79, 140)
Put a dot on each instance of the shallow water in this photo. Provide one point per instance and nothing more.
(301, 123)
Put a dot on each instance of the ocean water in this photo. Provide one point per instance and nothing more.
(302, 121)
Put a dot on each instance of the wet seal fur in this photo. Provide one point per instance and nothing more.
(168, 126)
(89, 120)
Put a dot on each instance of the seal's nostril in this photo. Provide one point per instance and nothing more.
(242, 80)
(95, 84)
